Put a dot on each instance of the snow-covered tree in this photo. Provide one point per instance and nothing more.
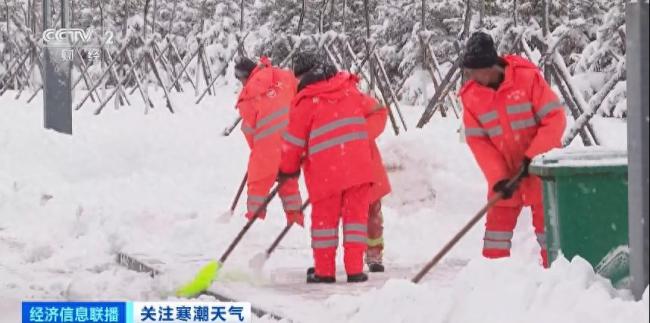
(589, 34)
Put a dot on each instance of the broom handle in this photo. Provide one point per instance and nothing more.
(450, 245)
(250, 222)
(456, 238)
(241, 189)
(283, 233)
(229, 130)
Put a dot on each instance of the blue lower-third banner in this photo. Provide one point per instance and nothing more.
(135, 312)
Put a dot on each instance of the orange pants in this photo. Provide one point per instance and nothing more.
(259, 190)
(501, 222)
(351, 205)
(374, 254)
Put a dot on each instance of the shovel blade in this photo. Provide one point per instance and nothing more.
(201, 281)
(225, 216)
(258, 261)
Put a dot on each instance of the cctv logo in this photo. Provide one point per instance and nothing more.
(73, 35)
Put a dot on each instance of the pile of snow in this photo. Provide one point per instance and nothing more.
(501, 291)
(69, 203)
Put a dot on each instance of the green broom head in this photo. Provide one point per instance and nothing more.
(201, 281)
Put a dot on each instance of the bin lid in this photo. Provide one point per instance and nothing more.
(562, 162)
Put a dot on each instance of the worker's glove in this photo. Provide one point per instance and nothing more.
(525, 167)
(287, 176)
(295, 217)
(506, 190)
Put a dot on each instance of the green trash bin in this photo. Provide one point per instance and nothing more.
(586, 208)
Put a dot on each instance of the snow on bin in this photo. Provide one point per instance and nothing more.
(585, 200)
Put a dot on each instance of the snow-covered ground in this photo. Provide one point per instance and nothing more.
(157, 183)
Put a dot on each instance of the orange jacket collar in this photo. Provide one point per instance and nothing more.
(332, 88)
(514, 62)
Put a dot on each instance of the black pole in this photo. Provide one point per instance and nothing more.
(57, 85)
(233, 206)
(284, 232)
(249, 224)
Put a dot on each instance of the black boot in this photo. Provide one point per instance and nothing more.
(357, 278)
(376, 267)
(312, 278)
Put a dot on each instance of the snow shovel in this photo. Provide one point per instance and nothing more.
(226, 132)
(208, 273)
(450, 245)
(226, 215)
(259, 260)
